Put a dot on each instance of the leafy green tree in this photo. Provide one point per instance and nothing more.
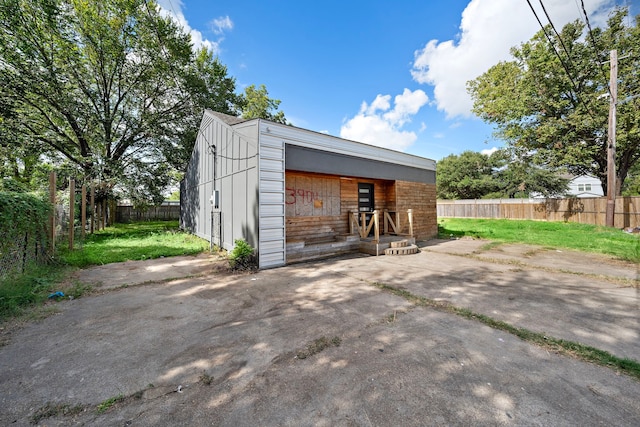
(519, 177)
(632, 184)
(211, 88)
(257, 104)
(503, 174)
(561, 122)
(469, 175)
(111, 88)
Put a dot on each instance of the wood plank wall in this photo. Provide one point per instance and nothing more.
(422, 199)
(317, 206)
(312, 206)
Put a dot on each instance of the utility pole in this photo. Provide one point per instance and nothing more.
(611, 140)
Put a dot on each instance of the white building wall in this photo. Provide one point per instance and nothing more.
(271, 244)
(236, 179)
(585, 186)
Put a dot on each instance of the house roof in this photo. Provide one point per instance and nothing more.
(228, 119)
(325, 142)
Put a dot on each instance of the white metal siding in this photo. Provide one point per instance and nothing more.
(271, 235)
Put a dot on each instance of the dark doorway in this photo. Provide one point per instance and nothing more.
(365, 197)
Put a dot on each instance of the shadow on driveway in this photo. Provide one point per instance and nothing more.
(221, 349)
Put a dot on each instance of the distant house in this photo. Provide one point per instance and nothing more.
(579, 186)
(585, 186)
(296, 194)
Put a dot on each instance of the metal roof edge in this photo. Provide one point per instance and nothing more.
(326, 142)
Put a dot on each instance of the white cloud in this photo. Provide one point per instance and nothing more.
(221, 24)
(488, 29)
(379, 124)
(489, 151)
(173, 9)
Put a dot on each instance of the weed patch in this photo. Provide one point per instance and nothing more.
(242, 257)
(104, 406)
(318, 345)
(53, 410)
(205, 379)
(560, 346)
(19, 292)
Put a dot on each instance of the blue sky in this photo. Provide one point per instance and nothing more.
(388, 73)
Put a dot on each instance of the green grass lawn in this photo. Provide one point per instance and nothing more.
(121, 242)
(134, 241)
(582, 237)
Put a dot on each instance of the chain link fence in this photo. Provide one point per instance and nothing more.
(20, 249)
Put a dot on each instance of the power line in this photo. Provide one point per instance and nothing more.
(595, 47)
(566, 68)
(553, 27)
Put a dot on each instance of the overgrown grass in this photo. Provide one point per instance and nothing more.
(134, 241)
(21, 291)
(122, 242)
(582, 237)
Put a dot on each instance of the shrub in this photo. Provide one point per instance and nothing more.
(23, 230)
(242, 257)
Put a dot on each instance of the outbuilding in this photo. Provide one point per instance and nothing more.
(296, 194)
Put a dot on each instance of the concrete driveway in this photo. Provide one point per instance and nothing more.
(220, 349)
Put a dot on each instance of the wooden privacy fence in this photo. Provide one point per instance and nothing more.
(166, 211)
(590, 210)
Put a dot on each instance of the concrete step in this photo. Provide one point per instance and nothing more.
(404, 250)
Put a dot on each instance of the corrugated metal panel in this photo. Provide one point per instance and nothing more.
(267, 210)
(273, 247)
(268, 185)
(271, 235)
(270, 222)
(272, 198)
(270, 153)
(272, 176)
(272, 165)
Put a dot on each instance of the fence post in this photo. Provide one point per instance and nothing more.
(83, 211)
(92, 203)
(104, 214)
(52, 219)
(72, 205)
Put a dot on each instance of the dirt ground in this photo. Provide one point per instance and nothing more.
(177, 341)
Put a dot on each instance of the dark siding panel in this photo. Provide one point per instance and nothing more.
(309, 160)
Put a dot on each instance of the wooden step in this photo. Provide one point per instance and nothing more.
(405, 250)
(399, 244)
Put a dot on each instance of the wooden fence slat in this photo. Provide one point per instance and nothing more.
(591, 210)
